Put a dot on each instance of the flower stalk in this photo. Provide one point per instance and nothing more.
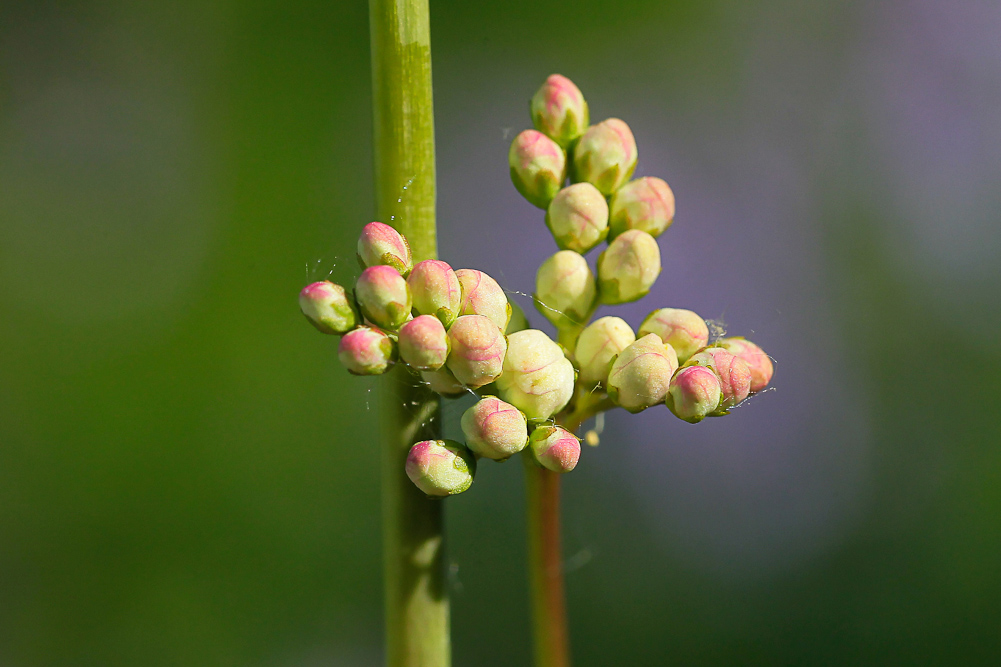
(416, 598)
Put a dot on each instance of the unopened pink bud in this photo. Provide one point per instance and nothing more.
(481, 295)
(381, 244)
(538, 167)
(565, 289)
(441, 467)
(424, 343)
(328, 307)
(495, 429)
(436, 290)
(598, 344)
(383, 296)
(443, 382)
(682, 329)
(605, 155)
(756, 359)
(694, 394)
(646, 203)
(538, 379)
(559, 110)
(641, 374)
(555, 448)
(478, 347)
(366, 351)
(628, 268)
(578, 217)
(734, 375)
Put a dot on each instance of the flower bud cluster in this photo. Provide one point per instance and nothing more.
(458, 332)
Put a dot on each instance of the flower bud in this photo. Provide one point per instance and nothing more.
(424, 343)
(328, 307)
(605, 155)
(538, 167)
(538, 379)
(441, 467)
(366, 351)
(578, 217)
(443, 382)
(646, 203)
(756, 359)
(383, 296)
(734, 375)
(495, 429)
(478, 348)
(564, 288)
(381, 244)
(628, 268)
(555, 448)
(682, 329)
(598, 344)
(559, 110)
(481, 295)
(694, 393)
(436, 290)
(641, 374)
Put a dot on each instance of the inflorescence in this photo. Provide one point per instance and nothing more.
(454, 329)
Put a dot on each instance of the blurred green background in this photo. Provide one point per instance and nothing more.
(187, 477)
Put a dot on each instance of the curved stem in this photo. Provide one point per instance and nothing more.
(545, 564)
(416, 598)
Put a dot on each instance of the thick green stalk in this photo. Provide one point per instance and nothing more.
(416, 599)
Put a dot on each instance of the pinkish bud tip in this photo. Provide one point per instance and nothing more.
(424, 343)
(605, 156)
(733, 373)
(441, 467)
(384, 296)
(381, 244)
(495, 429)
(555, 448)
(436, 290)
(538, 167)
(559, 110)
(646, 204)
(756, 359)
(477, 354)
(366, 351)
(328, 307)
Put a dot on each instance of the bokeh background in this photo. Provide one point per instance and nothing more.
(187, 476)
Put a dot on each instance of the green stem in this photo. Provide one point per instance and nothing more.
(545, 564)
(416, 599)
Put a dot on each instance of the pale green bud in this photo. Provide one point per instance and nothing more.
(328, 307)
(559, 111)
(443, 382)
(383, 296)
(381, 244)
(538, 167)
(733, 373)
(646, 203)
(564, 288)
(424, 343)
(694, 394)
(628, 268)
(755, 358)
(366, 351)
(481, 295)
(478, 348)
(495, 429)
(578, 217)
(555, 448)
(598, 344)
(436, 290)
(682, 329)
(605, 155)
(538, 379)
(441, 467)
(641, 374)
